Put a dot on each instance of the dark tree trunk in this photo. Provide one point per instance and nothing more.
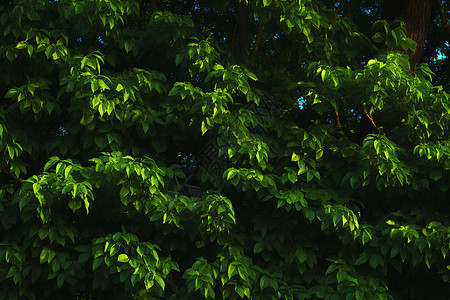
(417, 16)
(154, 5)
(243, 27)
(417, 24)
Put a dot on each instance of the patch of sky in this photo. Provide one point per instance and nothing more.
(187, 161)
(301, 102)
(196, 8)
(367, 11)
(336, 4)
(101, 41)
(439, 54)
(61, 131)
(353, 112)
(197, 78)
(170, 75)
(363, 61)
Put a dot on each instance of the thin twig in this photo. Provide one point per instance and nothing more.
(13, 176)
(338, 120)
(347, 97)
(371, 119)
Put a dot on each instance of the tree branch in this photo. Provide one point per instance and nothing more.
(257, 41)
(371, 119)
(338, 121)
(444, 19)
(347, 97)
(13, 176)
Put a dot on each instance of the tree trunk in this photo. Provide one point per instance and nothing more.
(243, 27)
(154, 5)
(417, 16)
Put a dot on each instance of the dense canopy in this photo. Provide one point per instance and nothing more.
(260, 149)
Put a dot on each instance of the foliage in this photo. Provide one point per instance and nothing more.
(162, 153)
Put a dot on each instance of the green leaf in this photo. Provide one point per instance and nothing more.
(140, 250)
(319, 153)
(374, 261)
(86, 205)
(160, 281)
(301, 255)
(23, 202)
(378, 37)
(204, 129)
(263, 283)
(11, 93)
(277, 163)
(444, 251)
(341, 276)
(59, 167)
(178, 59)
(310, 215)
(75, 204)
(231, 270)
(259, 247)
(231, 174)
(44, 256)
(97, 262)
(135, 278)
(325, 74)
(21, 45)
(123, 258)
(361, 260)
(119, 87)
(83, 257)
(127, 46)
(124, 191)
(336, 219)
(30, 50)
(60, 280)
(295, 157)
(55, 265)
(436, 175)
(309, 176)
(252, 76)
